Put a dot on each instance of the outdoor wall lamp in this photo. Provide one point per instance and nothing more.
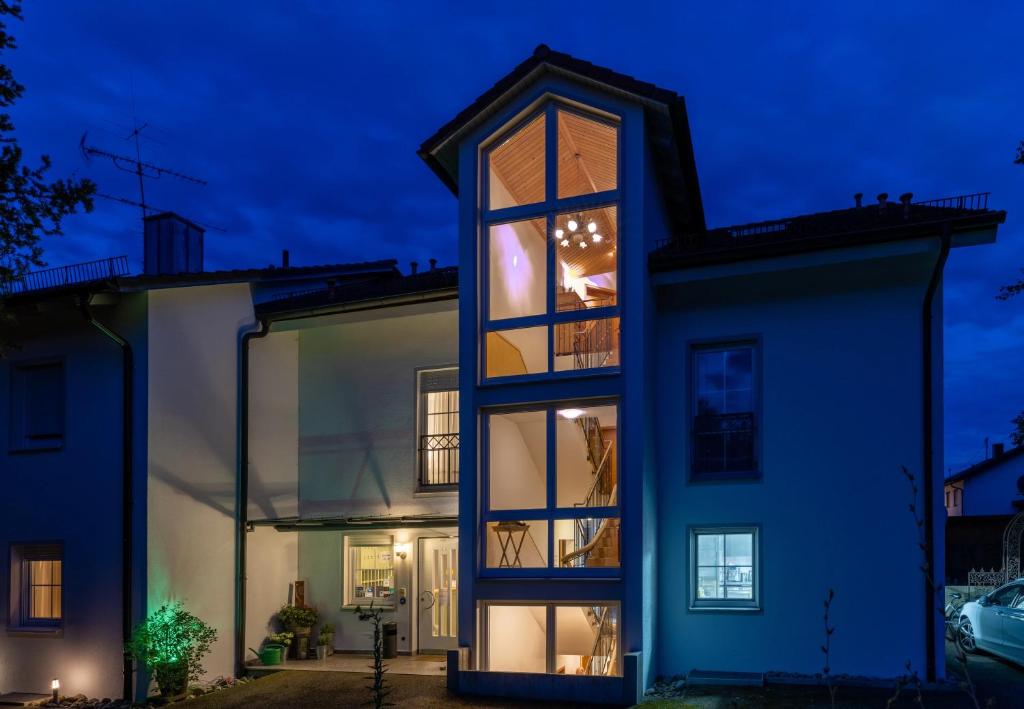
(401, 550)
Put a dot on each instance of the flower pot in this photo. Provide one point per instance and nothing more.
(321, 652)
(171, 678)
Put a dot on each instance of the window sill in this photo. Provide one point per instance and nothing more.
(29, 631)
(436, 491)
(736, 476)
(724, 609)
(376, 606)
(22, 450)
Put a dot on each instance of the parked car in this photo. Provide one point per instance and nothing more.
(995, 623)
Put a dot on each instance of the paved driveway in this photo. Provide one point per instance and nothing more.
(993, 677)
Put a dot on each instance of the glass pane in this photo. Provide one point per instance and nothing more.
(586, 266)
(710, 550)
(587, 155)
(587, 543)
(439, 442)
(518, 269)
(587, 344)
(373, 573)
(519, 544)
(739, 365)
(517, 638)
(709, 582)
(586, 640)
(516, 167)
(586, 456)
(517, 460)
(519, 351)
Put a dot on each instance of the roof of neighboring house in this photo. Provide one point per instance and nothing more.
(435, 284)
(667, 125)
(143, 281)
(985, 465)
(873, 223)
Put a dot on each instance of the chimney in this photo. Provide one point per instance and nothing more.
(172, 245)
(883, 197)
(857, 198)
(413, 266)
(905, 201)
(433, 264)
(997, 450)
(284, 258)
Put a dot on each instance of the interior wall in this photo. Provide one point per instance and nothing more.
(193, 403)
(518, 266)
(517, 480)
(274, 426)
(575, 474)
(517, 638)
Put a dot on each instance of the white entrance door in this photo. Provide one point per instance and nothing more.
(438, 595)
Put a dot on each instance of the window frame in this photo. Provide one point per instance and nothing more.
(18, 440)
(419, 427)
(21, 554)
(693, 347)
(725, 604)
(550, 630)
(548, 209)
(550, 513)
(350, 542)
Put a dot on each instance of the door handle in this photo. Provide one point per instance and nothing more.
(425, 596)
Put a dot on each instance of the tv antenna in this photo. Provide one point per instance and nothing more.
(138, 167)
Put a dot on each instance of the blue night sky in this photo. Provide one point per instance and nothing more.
(305, 118)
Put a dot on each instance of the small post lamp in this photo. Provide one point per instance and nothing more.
(55, 689)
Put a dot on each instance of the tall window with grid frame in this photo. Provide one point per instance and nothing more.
(438, 427)
(725, 404)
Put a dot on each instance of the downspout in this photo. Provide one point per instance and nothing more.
(242, 489)
(127, 374)
(931, 583)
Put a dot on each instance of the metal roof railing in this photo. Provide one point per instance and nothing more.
(74, 274)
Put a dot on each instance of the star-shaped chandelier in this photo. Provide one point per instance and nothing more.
(578, 232)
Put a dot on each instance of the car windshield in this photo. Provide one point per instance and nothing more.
(1005, 596)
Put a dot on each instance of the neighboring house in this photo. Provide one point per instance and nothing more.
(747, 396)
(615, 444)
(72, 543)
(994, 486)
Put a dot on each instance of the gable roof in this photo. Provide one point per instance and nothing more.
(985, 465)
(665, 112)
(873, 223)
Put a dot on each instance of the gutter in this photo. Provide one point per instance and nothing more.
(127, 439)
(242, 488)
(930, 589)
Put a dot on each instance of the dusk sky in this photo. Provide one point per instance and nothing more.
(305, 119)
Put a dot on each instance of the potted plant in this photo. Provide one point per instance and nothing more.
(327, 629)
(171, 642)
(300, 621)
(284, 639)
(321, 645)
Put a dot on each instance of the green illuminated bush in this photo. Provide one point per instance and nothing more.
(171, 642)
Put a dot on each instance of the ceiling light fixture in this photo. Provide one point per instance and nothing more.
(579, 227)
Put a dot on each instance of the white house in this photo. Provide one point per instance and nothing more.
(614, 444)
(995, 486)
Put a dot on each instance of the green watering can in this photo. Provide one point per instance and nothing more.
(270, 654)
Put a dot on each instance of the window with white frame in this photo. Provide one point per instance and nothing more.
(438, 427)
(551, 490)
(726, 395)
(724, 568)
(37, 406)
(37, 586)
(369, 571)
(550, 239)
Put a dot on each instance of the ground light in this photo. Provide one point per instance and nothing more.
(55, 688)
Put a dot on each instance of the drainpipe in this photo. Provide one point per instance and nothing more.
(127, 373)
(242, 489)
(929, 454)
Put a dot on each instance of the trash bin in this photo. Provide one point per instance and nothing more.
(391, 639)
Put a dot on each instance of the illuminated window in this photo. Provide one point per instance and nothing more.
(724, 568)
(439, 427)
(370, 574)
(38, 581)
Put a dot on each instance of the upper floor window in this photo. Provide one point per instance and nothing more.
(550, 239)
(438, 427)
(725, 404)
(37, 586)
(37, 406)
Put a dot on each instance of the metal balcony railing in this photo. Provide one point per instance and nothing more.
(75, 274)
(439, 460)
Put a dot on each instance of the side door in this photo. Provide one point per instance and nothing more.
(1013, 628)
(992, 615)
(438, 593)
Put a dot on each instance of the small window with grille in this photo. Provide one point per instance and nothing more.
(438, 430)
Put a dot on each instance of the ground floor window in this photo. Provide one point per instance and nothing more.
(37, 586)
(724, 567)
(370, 572)
(569, 639)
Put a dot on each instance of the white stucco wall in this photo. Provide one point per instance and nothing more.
(841, 411)
(193, 355)
(71, 496)
(272, 565)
